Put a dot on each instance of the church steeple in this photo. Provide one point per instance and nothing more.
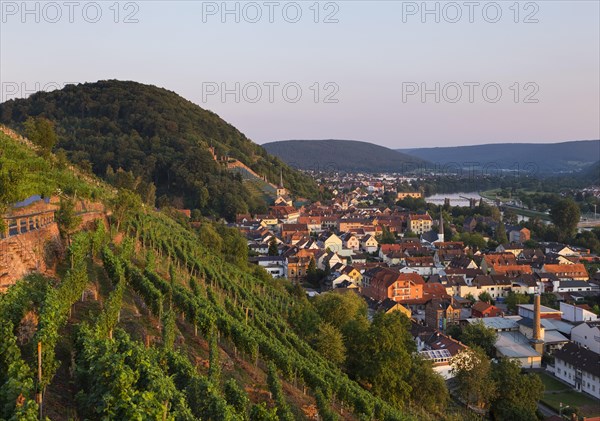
(281, 178)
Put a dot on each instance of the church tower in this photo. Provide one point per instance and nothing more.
(281, 191)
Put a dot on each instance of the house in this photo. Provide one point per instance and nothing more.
(297, 264)
(330, 241)
(274, 265)
(381, 283)
(587, 334)
(579, 367)
(518, 235)
(388, 306)
(439, 314)
(483, 309)
(313, 223)
(571, 286)
(575, 272)
(420, 223)
(497, 259)
(327, 259)
(350, 241)
(436, 347)
(369, 244)
(288, 230)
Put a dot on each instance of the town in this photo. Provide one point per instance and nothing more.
(539, 300)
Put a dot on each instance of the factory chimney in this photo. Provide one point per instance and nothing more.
(537, 340)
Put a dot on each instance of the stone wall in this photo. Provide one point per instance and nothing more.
(25, 253)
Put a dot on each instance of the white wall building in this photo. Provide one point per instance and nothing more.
(579, 367)
(587, 334)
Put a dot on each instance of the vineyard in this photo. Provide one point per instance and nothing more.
(145, 318)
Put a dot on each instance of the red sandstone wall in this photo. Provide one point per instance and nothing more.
(25, 253)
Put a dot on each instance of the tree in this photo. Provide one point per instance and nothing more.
(432, 393)
(312, 275)
(472, 370)
(386, 237)
(388, 357)
(501, 237)
(339, 309)
(124, 205)
(40, 131)
(565, 216)
(67, 219)
(329, 342)
(486, 297)
(273, 249)
(514, 298)
(518, 393)
(477, 334)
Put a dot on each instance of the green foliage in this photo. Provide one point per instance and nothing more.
(486, 297)
(518, 393)
(501, 237)
(214, 370)
(55, 310)
(565, 215)
(260, 412)
(66, 218)
(329, 342)
(124, 205)
(40, 131)
(159, 137)
(324, 407)
(473, 376)
(513, 299)
(386, 237)
(431, 393)
(120, 379)
(283, 409)
(23, 174)
(168, 329)
(339, 309)
(15, 379)
(478, 335)
(236, 397)
(273, 250)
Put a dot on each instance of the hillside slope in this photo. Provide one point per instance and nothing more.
(341, 155)
(546, 157)
(159, 136)
(149, 319)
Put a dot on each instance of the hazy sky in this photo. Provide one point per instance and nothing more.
(400, 74)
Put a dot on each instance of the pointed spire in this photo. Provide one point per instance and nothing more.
(281, 178)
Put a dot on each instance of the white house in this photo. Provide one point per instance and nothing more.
(587, 334)
(579, 367)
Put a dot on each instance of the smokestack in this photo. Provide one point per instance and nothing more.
(537, 342)
(537, 330)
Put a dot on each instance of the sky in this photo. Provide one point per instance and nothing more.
(400, 74)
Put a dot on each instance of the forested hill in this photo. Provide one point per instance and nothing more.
(341, 155)
(160, 137)
(548, 158)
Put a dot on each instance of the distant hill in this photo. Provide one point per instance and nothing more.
(591, 175)
(341, 155)
(162, 138)
(549, 158)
